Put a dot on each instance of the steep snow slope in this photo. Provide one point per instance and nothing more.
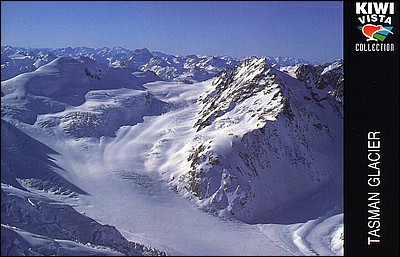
(33, 221)
(25, 158)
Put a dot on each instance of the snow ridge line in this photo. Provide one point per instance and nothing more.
(300, 237)
(304, 237)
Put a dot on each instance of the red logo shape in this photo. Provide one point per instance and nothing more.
(369, 31)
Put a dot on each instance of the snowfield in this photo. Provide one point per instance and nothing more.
(115, 166)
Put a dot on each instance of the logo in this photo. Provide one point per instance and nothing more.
(375, 32)
(376, 25)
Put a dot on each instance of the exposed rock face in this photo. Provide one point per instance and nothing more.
(264, 140)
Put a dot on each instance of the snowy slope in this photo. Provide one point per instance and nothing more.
(19, 151)
(67, 80)
(62, 85)
(34, 223)
(252, 147)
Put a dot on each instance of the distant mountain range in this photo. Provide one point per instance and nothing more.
(190, 68)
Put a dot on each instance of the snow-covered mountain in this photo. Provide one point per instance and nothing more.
(264, 141)
(328, 76)
(189, 69)
(278, 62)
(65, 83)
(107, 155)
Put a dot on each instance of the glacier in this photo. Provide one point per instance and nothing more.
(119, 152)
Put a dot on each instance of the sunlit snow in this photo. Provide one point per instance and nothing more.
(117, 154)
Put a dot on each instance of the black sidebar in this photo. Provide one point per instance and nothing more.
(371, 141)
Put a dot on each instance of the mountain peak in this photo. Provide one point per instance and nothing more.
(141, 50)
(234, 87)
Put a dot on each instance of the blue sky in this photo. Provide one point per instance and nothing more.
(309, 30)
